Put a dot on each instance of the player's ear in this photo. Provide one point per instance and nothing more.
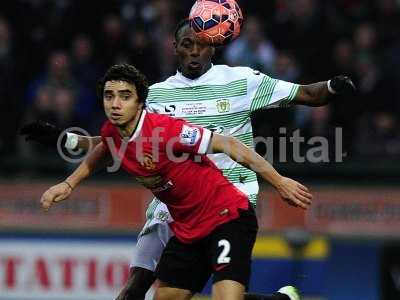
(175, 47)
(212, 51)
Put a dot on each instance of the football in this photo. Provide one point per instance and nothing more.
(217, 22)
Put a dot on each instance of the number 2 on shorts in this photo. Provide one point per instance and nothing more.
(223, 258)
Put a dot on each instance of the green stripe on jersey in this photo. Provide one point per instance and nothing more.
(253, 199)
(264, 93)
(226, 120)
(151, 208)
(246, 138)
(198, 93)
(239, 175)
(292, 95)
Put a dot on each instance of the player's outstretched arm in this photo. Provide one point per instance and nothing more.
(48, 134)
(291, 191)
(64, 189)
(320, 93)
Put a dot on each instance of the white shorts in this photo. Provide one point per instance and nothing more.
(156, 213)
(153, 238)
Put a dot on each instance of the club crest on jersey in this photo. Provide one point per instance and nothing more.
(223, 106)
(189, 135)
(147, 162)
(154, 183)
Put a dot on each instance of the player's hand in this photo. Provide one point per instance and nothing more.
(43, 133)
(56, 193)
(294, 193)
(342, 85)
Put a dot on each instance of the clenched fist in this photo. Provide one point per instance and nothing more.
(56, 193)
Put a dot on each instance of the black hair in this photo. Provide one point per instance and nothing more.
(127, 73)
(182, 23)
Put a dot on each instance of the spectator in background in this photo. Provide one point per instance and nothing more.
(142, 54)
(252, 48)
(57, 79)
(365, 39)
(84, 66)
(167, 56)
(378, 135)
(367, 70)
(112, 39)
(159, 15)
(55, 105)
(9, 90)
(297, 27)
(85, 70)
(343, 57)
(392, 68)
(286, 67)
(344, 112)
(57, 75)
(387, 20)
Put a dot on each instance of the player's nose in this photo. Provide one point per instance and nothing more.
(116, 103)
(195, 51)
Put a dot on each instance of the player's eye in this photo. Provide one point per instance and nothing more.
(186, 45)
(125, 97)
(108, 97)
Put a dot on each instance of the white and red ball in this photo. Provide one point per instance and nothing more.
(217, 22)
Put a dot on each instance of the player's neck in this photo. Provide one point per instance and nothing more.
(193, 77)
(129, 128)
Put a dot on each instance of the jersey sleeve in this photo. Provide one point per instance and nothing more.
(188, 138)
(267, 92)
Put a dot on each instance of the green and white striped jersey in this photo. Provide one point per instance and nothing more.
(222, 100)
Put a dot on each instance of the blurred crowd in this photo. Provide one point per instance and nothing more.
(53, 52)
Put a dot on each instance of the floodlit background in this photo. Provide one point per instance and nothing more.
(346, 247)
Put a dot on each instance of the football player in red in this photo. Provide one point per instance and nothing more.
(215, 227)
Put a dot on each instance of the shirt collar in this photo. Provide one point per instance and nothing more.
(139, 126)
(196, 81)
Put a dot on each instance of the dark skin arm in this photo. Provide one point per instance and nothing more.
(315, 94)
(318, 94)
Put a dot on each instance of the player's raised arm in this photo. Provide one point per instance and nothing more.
(48, 134)
(320, 93)
(291, 191)
(64, 189)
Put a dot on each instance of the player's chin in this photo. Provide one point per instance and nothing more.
(194, 72)
(116, 122)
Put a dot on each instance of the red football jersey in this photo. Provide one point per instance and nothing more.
(167, 156)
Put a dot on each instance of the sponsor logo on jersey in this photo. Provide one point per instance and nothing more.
(189, 135)
(193, 109)
(170, 109)
(223, 106)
